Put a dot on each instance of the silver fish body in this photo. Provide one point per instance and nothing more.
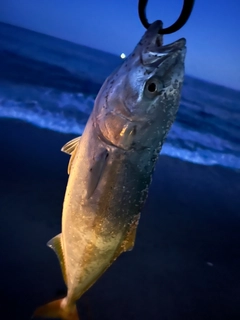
(112, 164)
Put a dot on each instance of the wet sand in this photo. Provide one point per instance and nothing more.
(186, 261)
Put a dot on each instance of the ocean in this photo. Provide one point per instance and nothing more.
(52, 84)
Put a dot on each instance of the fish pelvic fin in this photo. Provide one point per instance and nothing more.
(57, 309)
(70, 148)
(71, 145)
(71, 160)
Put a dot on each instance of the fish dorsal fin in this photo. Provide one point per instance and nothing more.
(129, 241)
(71, 160)
(95, 172)
(71, 145)
(56, 244)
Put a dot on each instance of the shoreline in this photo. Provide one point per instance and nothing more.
(60, 138)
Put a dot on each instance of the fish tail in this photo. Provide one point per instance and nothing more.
(57, 309)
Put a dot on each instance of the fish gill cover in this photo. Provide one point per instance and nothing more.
(52, 84)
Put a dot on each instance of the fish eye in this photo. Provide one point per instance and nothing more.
(153, 87)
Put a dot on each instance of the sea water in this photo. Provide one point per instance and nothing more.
(52, 84)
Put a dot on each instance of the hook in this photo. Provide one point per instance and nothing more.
(182, 19)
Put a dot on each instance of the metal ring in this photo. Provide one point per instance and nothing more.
(185, 14)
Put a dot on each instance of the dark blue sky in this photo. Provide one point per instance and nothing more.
(212, 31)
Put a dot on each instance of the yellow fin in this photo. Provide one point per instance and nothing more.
(56, 244)
(57, 309)
(129, 242)
(71, 145)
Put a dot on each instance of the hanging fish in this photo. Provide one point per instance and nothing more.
(112, 163)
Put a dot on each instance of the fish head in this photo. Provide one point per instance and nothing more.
(141, 98)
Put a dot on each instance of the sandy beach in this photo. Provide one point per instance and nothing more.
(186, 261)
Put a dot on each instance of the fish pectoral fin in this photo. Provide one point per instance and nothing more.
(129, 241)
(95, 172)
(56, 244)
(71, 145)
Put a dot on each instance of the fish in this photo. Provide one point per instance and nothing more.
(112, 163)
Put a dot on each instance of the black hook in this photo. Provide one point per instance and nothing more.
(185, 14)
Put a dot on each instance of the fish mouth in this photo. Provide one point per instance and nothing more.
(154, 52)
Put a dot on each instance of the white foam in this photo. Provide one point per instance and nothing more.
(68, 112)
